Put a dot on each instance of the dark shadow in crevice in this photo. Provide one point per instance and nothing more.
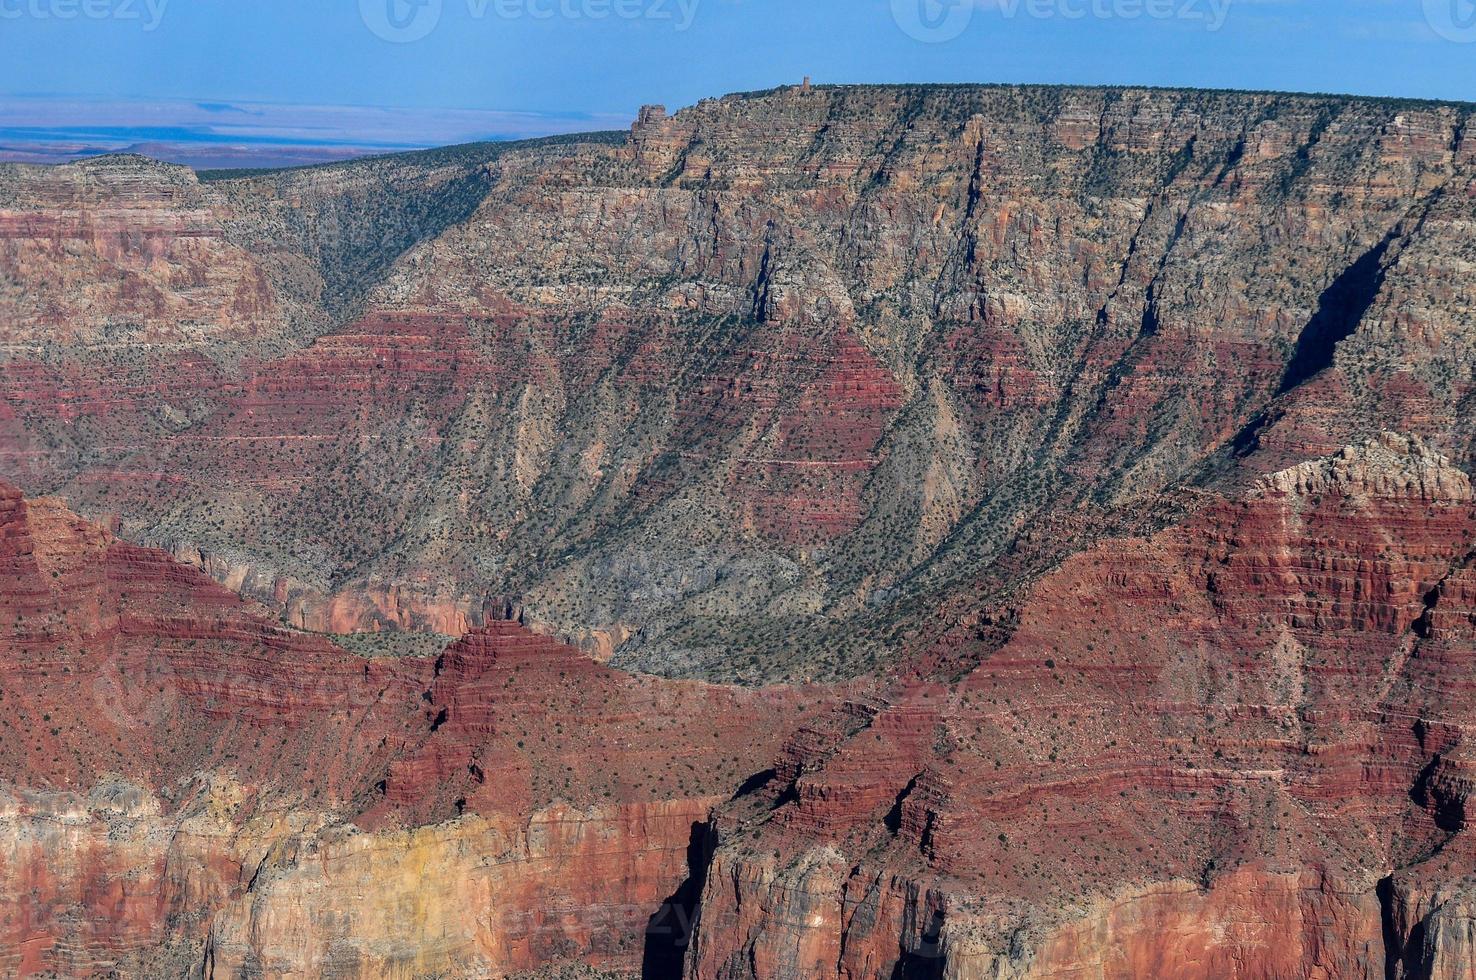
(1248, 439)
(1339, 310)
(1446, 809)
(673, 926)
(1402, 954)
(893, 819)
(754, 783)
(926, 962)
(1393, 944)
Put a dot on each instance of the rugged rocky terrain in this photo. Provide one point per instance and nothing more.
(742, 394)
(192, 789)
(1232, 748)
(1076, 483)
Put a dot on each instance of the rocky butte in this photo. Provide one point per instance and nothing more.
(923, 532)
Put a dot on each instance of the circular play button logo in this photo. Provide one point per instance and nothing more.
(400, 21)
(1454, 20)
(933, 21)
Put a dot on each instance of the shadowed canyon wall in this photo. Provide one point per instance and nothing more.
(1236, 747)
(1076, 481)
(742, 394)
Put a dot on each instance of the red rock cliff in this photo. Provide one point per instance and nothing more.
(188, 786)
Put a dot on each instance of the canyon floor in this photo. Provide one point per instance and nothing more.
(858, 532)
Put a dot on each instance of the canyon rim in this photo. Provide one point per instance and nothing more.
(930, 532)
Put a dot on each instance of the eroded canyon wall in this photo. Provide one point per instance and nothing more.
(193, 789)
(1116, 441)
(1236, 747)
(742, 392)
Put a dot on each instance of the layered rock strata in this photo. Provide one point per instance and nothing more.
(786, 369)
(1236, 748)
(190, 789)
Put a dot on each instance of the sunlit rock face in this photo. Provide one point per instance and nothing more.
(1076, 481)
(1200, 754)
(1234, 747)
(189, 786)
(789, 367)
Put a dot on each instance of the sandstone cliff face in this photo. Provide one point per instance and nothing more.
(1199, 754)
(784, 369)
(124, 250)
(190, 789)
(466, 898)
(1236, 747)
(1066, 407)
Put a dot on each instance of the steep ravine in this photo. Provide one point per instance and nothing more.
(1232, 748)
(755, 390)
(1076, 482)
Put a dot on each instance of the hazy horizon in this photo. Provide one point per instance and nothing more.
(289, 83)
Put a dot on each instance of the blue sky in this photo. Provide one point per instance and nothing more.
(518, 67)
